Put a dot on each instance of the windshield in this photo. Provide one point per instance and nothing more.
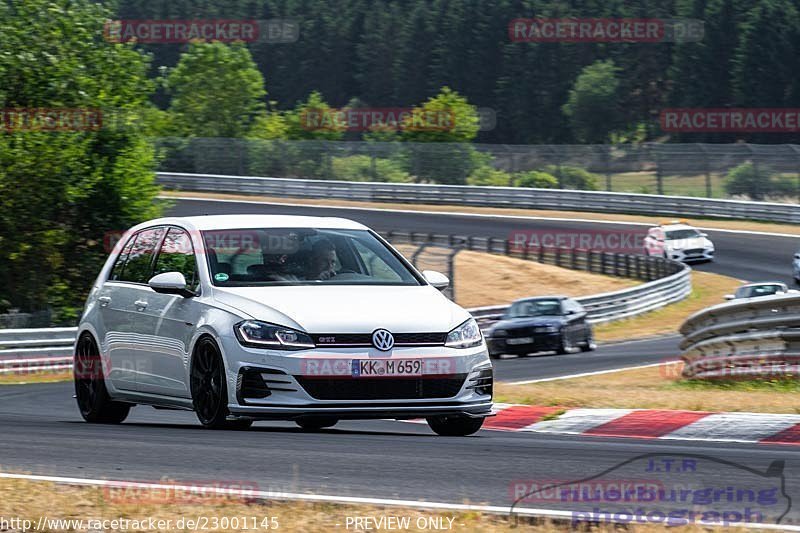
(294, 256)
(682, 234)
(534, 308)
(758, 290)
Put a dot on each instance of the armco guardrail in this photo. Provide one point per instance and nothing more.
(517, 197)
(749, 338)
(36, 349)
(615, 305)
(667, 281)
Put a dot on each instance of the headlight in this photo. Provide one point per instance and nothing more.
(466, 335)
(547, 329)
(499, 333)
(263, 335)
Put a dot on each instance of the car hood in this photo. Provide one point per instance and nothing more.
(527, 321)
(347, 309)
(688, 244)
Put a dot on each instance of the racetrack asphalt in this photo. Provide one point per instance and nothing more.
(44, 434)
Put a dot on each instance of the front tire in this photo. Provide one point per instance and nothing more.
(94, 402)
(454, 426)
(209, 388)
(589, 345)
(564, 346)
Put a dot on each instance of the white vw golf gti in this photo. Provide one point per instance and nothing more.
(245, 317)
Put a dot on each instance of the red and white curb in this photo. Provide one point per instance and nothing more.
(763, 428)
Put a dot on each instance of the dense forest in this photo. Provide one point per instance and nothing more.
(388, 53)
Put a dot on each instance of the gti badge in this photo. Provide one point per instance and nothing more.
(382, 340)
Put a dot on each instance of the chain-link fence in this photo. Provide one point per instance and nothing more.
(760, 171)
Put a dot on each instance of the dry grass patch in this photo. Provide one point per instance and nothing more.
(488, 279)
(744, 225)
(31, 500)
(655, 388)
(707, 290)
(24, 378)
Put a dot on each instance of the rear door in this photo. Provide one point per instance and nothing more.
(173, 318)
(121, 299)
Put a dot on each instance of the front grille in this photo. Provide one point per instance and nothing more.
(382, 388)
(694, 251)
(365, 339)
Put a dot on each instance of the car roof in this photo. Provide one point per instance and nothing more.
(223, 222)
(759, 283)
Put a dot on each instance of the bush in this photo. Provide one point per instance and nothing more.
(574, 177)
(486, 175)
(757, 182)
(536, 179)
(365, 168)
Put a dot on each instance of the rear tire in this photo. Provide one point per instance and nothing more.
(94, 402)
(316, 423)
(209, 388)
(454, 426)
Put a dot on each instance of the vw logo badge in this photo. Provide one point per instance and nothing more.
(382, 340)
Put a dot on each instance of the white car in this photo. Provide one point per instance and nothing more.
(247, 317)
(759, 290)
(678, 241)
(796, 267)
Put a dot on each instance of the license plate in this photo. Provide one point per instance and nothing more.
(520, 340)
(399, 367)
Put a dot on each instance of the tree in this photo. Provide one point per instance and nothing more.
(216, 90)
(61, 193)
(441, 130)
(592, 104)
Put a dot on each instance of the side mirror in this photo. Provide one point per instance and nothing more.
(730, 297)
(704, 234)
(437, 279)
(797, 256)
(170, 283)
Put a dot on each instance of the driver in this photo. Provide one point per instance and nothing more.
(323, 261)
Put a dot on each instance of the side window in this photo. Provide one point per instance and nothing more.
(119, 264)
(138, 268)
(177, 255)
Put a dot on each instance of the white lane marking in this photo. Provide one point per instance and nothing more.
(269, 495)
(556, 514)
(577, 421)
(587, 374)
(735, 427)
(462, 214)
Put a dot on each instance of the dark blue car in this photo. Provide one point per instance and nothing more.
(547, 323)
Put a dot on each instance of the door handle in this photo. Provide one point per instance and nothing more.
(104, 300)
(140, 303)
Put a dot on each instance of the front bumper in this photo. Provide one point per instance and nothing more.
(697, 254)
(542, 342)
(270, 384)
